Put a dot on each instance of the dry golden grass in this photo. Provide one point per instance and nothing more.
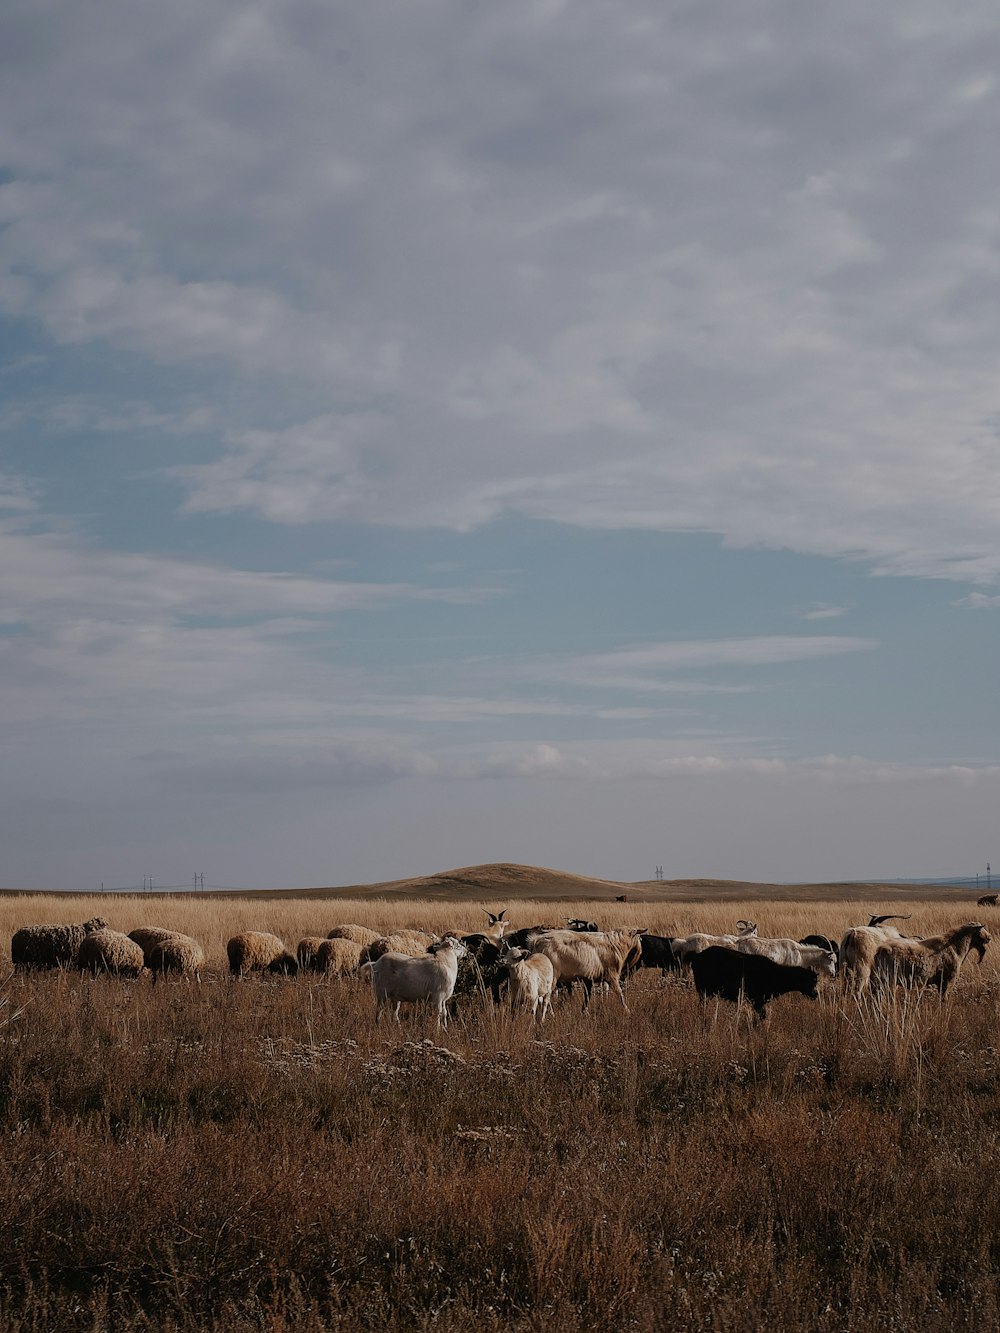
(260, 1155)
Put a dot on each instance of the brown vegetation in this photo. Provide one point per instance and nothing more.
(261, 1156)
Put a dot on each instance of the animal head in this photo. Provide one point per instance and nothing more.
(94, 924)
(894, 916)
(498, 923)
(979, 939)
(580, 924)
(515, 955)
(449, 943)
(746, 928)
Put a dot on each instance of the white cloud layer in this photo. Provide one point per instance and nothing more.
(647, 267)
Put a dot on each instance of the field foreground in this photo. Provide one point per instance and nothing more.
(259, 1155)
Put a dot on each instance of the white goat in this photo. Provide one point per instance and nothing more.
(532, 981)
(398, 978)
(686, 945)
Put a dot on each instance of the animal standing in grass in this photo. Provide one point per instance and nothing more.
(177, 954)
(399, 978)
(730, 975)
(882, 957)
(532, 981)
(112, 952)
(258, 951)
(51, 946)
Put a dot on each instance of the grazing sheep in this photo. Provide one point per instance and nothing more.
(110, 951)
(148, 936)
(257, 951)
(338, 958)
(307, 950)
(412, 942)
(51, 946)
(178, 953)
(532, 981)
(359, 934)
(399, 978)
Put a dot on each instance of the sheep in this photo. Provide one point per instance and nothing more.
(872, 955)
(359, 934)
(51, 946)
(399, 978)
(148, 936)
(589, 957)
(307, 951)
(110, 951)
(532, 981)
(412, 942)
(257, 951)
(338, 958)
(178, 953)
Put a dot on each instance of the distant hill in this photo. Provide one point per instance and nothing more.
(508, 880)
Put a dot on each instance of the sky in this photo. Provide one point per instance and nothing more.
(561, 432)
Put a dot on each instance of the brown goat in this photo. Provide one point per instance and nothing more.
(872, 956)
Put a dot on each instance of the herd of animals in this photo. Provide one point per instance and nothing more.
(530, 964)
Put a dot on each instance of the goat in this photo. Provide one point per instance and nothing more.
(589, 957)
(532, 980)
(687, 945)
(580, 925)
(498, 925)
(729, 974)
(872, 955)
(399, 978)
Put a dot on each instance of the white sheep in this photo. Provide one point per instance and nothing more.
(399, 978)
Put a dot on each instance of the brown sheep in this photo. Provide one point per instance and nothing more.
(51, 946)
(307, 950)
(257, 951)
(412, 942)
(148, 936)
(359, 934)
(111, 951)
(177, 953)
(338, 958)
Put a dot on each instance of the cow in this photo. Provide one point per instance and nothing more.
(731, 975)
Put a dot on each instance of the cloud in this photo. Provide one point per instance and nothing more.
(824, 611)
(979, 601)
(689, 271)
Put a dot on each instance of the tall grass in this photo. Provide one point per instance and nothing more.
(259, 1155)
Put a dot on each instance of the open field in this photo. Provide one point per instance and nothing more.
(259, 1155)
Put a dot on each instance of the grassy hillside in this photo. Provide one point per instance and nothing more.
(509, 880)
